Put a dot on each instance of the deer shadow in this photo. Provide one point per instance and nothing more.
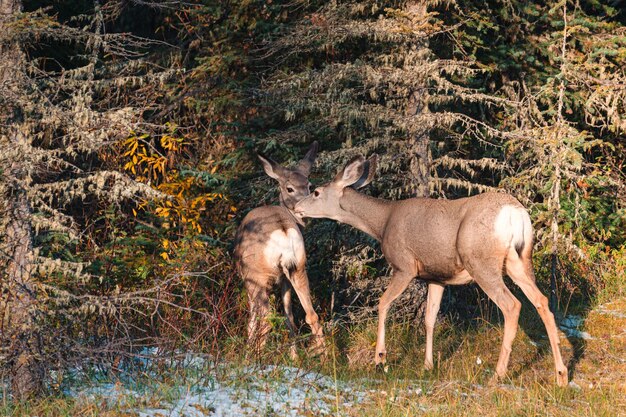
(465, 306)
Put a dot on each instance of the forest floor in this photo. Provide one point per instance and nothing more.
(594, 346)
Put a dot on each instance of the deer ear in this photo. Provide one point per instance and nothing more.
(304, 166)
(369, 170)
(271, 168)
(351, 172)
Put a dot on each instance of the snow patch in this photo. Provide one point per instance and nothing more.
(613, 313)
(231, 391)
(570, 325)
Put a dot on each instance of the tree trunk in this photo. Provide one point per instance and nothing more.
(420, 142)
(555, 207)
(24, 351)
(420, 163)
(20, 327)
(555, 192)
(420, 158)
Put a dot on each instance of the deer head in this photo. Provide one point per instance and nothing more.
(325, 200)
(293, 183)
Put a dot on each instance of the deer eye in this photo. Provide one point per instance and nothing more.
(289, 190)
(316, 193)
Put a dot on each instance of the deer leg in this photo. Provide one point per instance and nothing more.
(399, 282)
(435, 293)
(286, 292)
(493, 285)
(258, 327)
(300, 282)
(291, 325)
(522, 274)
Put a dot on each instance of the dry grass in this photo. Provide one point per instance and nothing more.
(464, 363)
(459, 384)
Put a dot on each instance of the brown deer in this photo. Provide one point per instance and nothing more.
(445, 242)
(269, 249)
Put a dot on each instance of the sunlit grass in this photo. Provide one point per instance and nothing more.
(460, 384)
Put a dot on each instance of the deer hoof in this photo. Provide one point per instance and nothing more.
(428, 366)
(494, 380)
(293, 353)
(561, 378)
(382, 368)
(318, 349)
(381, 358)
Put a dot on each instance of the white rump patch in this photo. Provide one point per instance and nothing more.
(513, 227)
(285, 249)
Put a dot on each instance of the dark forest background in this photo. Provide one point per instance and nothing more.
(129, 130)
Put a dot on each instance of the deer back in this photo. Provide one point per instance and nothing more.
(268, 240)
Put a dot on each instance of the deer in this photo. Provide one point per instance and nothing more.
(443, 242)
(269, 250)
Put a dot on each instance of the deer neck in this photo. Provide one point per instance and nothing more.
(366, 213)
(298, 220)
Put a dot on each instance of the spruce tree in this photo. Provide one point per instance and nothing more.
(563, 143)
(58, 115)
(365, 77)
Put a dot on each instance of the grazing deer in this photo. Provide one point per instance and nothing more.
(269, 249)
(445, 242)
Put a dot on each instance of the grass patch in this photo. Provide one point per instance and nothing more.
(346, 383)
